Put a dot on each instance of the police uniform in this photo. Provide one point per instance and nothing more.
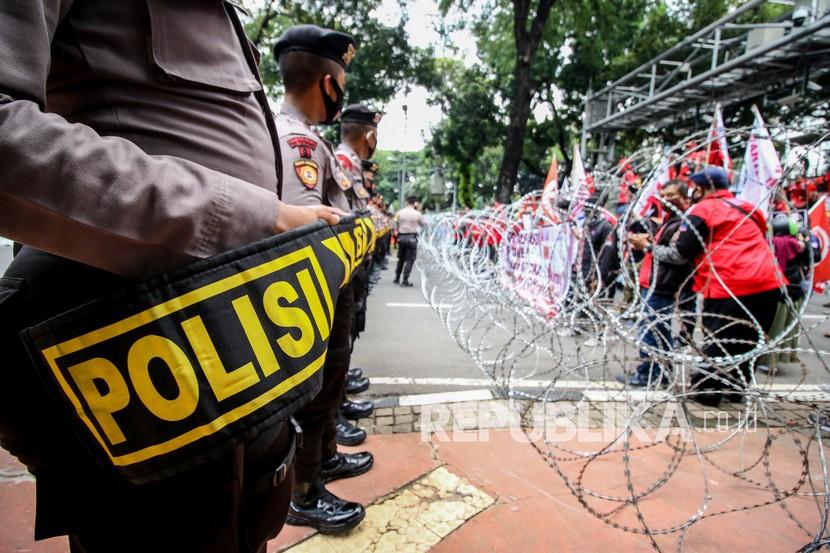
(348, 158)
(409, 222)
(136, 138)
(312, 176)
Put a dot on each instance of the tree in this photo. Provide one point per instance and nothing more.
(385, 62)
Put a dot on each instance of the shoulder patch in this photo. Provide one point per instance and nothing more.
(304, 144)
(345, 162)
(308, 172)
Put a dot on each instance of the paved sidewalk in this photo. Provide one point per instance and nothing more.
(474, 485)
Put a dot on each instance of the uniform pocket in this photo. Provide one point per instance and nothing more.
(194, 41)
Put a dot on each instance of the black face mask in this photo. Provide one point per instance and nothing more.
(333, 107)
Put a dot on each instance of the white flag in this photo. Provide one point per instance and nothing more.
(576, 210)
(658, 179)
(761, 169)
(718, 149)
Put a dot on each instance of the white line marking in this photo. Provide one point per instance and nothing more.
(446, 397)
(599, 385)
(404, 304)
(815, 317)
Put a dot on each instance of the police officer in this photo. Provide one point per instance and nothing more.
(359, 138)
(313, 64)
(135, 138)
(358, 141)
(409, 222)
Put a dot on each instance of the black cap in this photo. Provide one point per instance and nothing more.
(358, 113)
(369, 165)
(325, 43)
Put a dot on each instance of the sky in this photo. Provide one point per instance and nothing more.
(410, 132)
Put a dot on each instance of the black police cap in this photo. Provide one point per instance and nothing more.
(369, 165)
(325, 43)
(358, 113)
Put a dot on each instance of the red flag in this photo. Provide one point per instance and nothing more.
(820, 227)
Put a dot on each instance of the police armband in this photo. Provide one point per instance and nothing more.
(174, 371)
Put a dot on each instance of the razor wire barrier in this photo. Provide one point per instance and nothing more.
(527, 292)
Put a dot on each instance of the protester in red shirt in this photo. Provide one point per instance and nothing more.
(736, 273)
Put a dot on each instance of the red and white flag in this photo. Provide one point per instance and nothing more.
(718, 147)
(820, 228)
(579, 181)
(550, 192)
(647, 201)
(761, 169)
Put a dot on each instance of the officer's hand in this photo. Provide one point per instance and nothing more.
(293, 216)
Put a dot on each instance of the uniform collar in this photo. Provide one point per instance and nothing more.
(292, 111)
(349, 150)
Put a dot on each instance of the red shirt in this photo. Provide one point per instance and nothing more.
(737, 256)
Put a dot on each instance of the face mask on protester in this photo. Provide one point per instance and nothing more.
(333, 107)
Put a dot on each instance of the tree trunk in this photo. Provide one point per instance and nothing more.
(527, 43)
(513, 146)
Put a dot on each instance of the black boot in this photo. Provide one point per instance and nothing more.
(397, 280)
(347, 465)
(406, 284)
(354, 372)
(357, 385)
(315, 506)
(347, 433)
(357, 409)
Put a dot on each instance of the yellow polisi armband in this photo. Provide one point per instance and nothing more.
(172, 372)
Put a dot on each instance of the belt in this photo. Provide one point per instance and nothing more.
(277, 476)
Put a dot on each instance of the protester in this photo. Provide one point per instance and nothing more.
(664, 287)
(794, 256)
(735, 271)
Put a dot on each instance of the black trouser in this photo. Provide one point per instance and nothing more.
(407, 250)
(318, 417)
(360, 288)
(725, 336)
(204, 509)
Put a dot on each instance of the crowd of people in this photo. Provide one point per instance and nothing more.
(704, 259)
(138, 139)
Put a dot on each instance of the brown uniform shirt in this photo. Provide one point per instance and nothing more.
(311, 174)
(410, 220)
(350, 163)
(131, 135)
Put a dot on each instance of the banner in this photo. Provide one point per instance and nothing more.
(820, 228)
(761, 169)
(171, 372)
(536, 264)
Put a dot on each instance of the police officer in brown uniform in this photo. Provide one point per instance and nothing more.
(313, 64)
(135, 138)
(358, 141)
(359, 138)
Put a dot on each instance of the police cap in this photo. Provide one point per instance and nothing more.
(325, 43)
(358, 113)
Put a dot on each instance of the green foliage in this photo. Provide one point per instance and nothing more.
(385, 62)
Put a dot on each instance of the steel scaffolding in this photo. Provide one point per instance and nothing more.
(725, 62)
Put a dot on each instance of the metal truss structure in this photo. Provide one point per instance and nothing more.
(726, 62)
